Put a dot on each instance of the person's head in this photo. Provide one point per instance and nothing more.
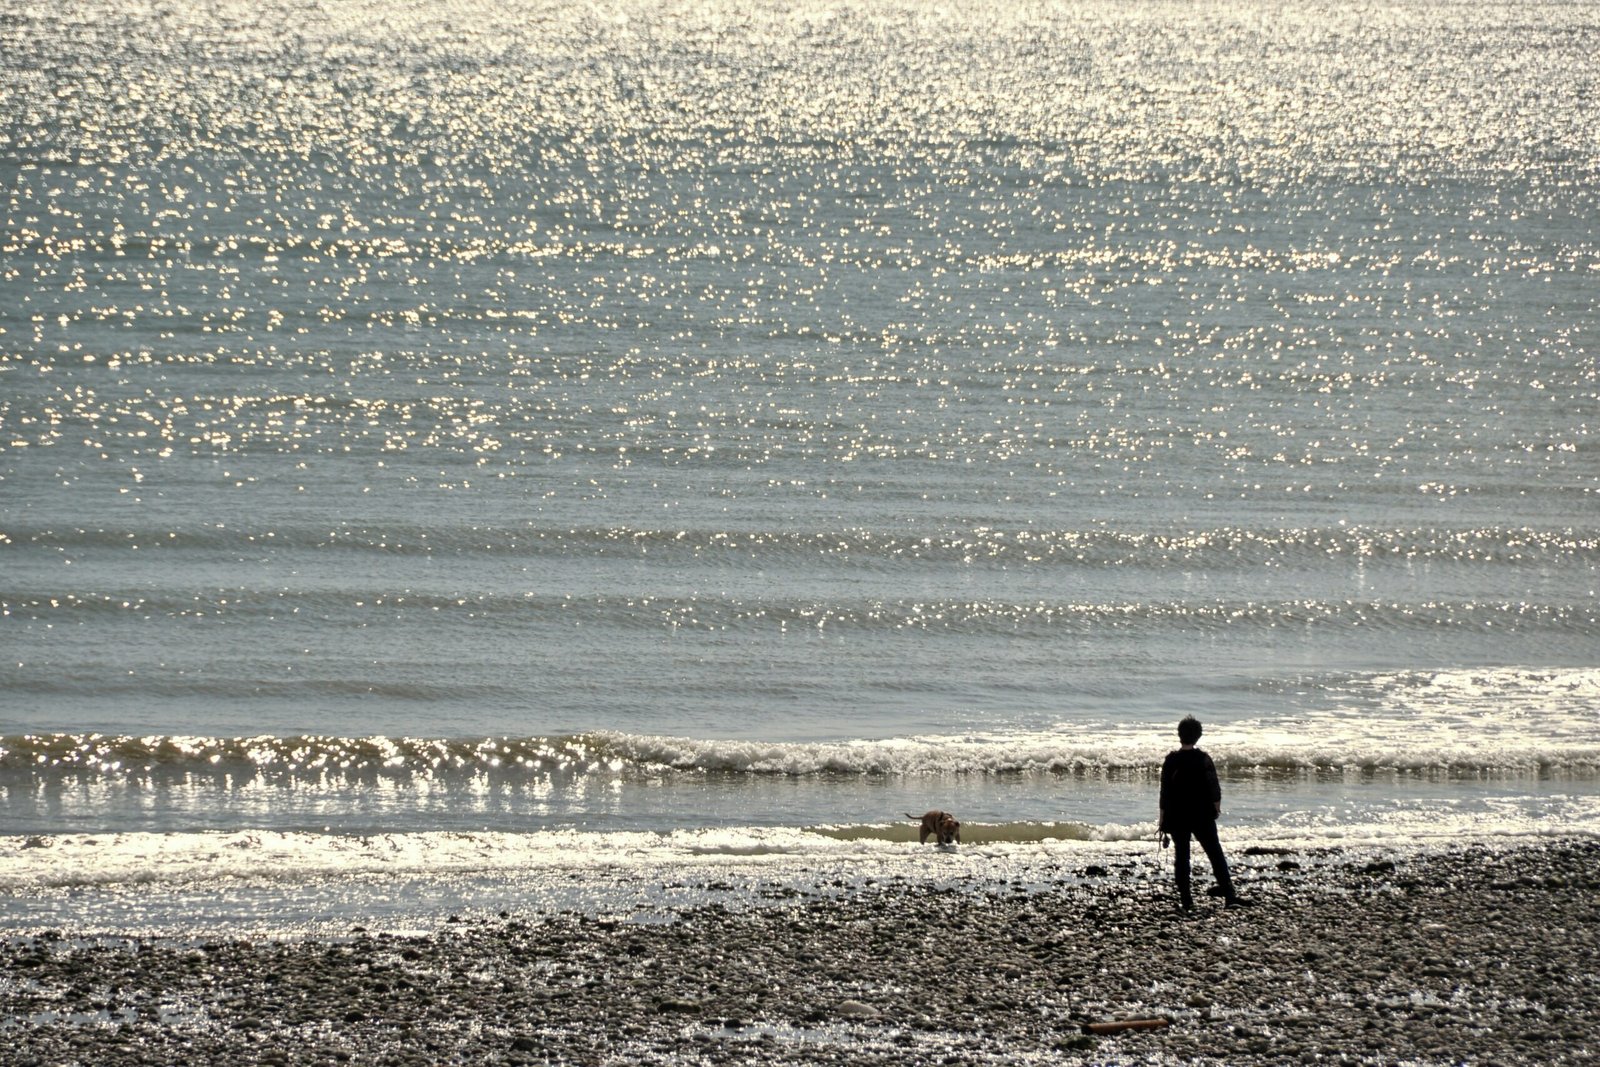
(1189, 729)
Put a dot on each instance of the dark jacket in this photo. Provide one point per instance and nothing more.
(1190, 791)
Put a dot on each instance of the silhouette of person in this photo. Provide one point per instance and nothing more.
(1191, 800)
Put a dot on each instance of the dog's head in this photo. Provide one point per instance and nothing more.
(948, 827)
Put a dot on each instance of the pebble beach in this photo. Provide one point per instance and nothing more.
(507, 505)
(1469, 953)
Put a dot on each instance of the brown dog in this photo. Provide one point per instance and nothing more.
(940, 825)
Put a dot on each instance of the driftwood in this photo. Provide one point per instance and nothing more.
(1116, 1026)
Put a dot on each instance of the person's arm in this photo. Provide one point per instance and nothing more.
(1166, 790)
(1215, 786)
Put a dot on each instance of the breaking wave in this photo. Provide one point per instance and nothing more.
(632, 756)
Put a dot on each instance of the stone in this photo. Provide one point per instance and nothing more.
(677, 1004)
(855, 1009)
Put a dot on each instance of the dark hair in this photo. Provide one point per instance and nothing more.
(1189, 729)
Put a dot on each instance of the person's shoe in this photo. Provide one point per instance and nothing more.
(1235, 902)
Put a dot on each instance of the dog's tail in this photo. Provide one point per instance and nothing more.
(911, 816)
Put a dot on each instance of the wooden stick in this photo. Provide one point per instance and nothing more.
(1116, 1026)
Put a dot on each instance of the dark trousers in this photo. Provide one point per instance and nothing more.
(1206, 833)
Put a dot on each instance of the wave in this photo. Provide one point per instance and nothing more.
(68, 860)
(309, 757)
(543, 865)
(1073, 756)
(1224, 547)
(722, 612)
(1315, 750)
(1004, 833)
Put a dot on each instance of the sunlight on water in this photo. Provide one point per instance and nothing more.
(612, 419)
(539, 239)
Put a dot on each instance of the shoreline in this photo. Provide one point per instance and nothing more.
(1458, 954)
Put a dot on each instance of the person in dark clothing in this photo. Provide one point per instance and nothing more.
(1191, 800)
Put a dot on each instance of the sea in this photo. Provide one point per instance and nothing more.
(462, 456)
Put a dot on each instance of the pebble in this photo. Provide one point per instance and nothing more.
(854, 1009)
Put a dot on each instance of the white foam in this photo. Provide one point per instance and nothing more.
(30, 864)
(1469, 722)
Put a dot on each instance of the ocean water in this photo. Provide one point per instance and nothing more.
(452, 452)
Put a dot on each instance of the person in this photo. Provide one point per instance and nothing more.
(1191, 800)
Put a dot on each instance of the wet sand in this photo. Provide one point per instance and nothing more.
(1468, 954)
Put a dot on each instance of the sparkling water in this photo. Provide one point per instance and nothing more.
(475, 436)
